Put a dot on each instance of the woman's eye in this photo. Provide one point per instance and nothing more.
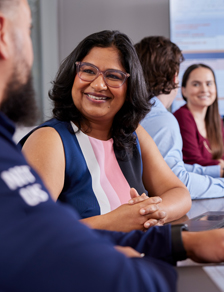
(195, 84)
(88, 71)
(114, 76)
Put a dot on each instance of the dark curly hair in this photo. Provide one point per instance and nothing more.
(160, 59)
(212, 117)
(136, 105)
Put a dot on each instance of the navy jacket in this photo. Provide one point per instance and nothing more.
(44, 247)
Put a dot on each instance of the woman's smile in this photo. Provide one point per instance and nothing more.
(96, 100)
(96, 97)
(200, 90)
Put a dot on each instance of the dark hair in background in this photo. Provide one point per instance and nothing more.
(136, 105)
(212, 118)
(160, 59)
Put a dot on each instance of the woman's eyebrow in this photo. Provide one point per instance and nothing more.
(210, 80)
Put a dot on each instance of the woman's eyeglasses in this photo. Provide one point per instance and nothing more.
(89, 72)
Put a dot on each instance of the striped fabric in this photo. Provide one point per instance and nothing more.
(96, 179)
(108, 182)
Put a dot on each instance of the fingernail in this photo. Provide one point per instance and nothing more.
(142, 255)
(131, 202)
(142, 211)
(147, 224)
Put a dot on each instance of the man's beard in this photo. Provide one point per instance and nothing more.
(19, 103)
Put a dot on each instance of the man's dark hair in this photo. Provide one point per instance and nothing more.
(160, 59)
(136, 105)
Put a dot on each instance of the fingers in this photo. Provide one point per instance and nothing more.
(138, 199)
(153, 222)
(129, 251)
(143, 197)
(152, 208)
(159, 215)
(134, 193)
(158, 219)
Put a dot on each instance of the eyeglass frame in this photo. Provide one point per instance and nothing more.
(78, 64)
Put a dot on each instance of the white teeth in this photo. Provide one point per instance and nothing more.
(204, 96)
(96, 98)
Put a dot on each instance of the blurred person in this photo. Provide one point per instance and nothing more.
(160, 59)
(199, 120)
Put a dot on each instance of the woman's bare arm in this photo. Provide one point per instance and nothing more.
(159, 180)
(45, 153)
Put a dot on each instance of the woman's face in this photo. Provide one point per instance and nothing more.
(96, 100)
(200, 90)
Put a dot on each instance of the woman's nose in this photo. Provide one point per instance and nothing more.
(204, 87)
(99, 83)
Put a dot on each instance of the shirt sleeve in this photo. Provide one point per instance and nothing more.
(211, 170)
(148, 242)
(165, 131)
(188, 128)
(200, 186)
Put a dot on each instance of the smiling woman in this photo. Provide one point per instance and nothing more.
(200, 123)
(99, 98)
(93, 154)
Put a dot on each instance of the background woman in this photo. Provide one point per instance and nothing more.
(89, 155)
(199, 120)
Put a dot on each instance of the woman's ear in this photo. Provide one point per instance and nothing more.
(183, 91)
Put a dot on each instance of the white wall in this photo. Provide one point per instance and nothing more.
(136, 18)
(49, 49)
(46, 62)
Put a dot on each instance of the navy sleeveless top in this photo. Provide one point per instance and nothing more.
(97, 180)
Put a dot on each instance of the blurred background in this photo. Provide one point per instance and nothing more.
(59, 25)
(196, 26)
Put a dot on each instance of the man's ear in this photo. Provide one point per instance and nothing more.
(176, 78)
(4, 37)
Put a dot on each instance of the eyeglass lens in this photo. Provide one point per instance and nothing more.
(113, 78)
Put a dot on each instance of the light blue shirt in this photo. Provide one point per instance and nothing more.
(202, 182)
